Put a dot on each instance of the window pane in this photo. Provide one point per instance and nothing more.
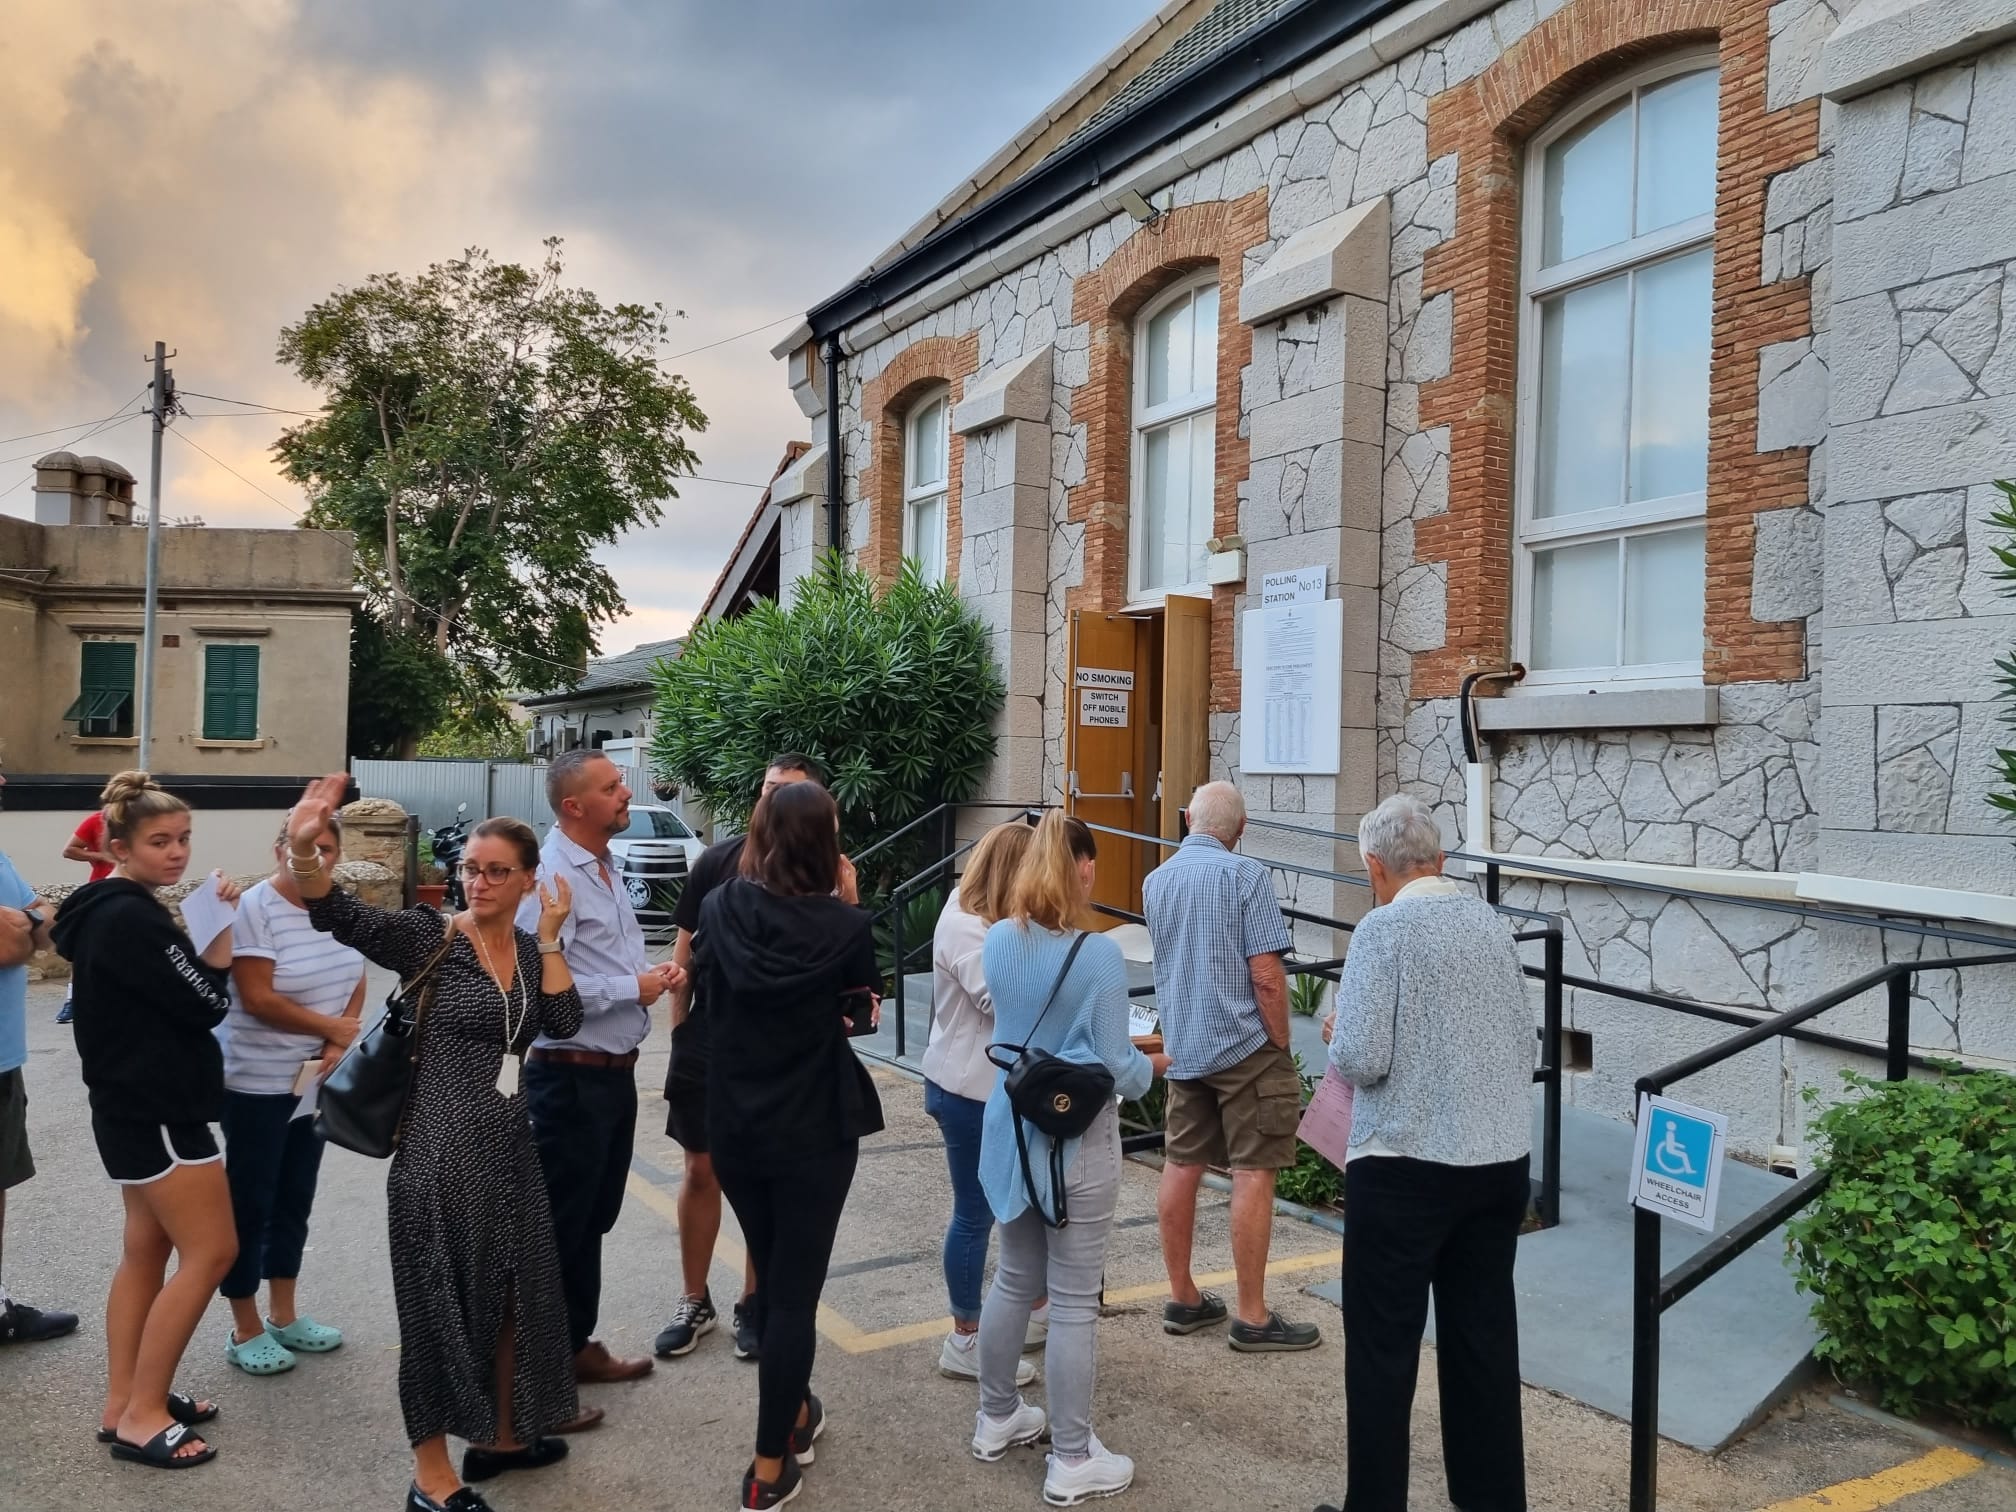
(1583, 382)
(1169, 353)
(1663, 596)
(1203, 475)
(1676, 150)
(1575, 606)
(927, 536)
(1165, 501)
(1587, 198)
(927, 445)
(1204, 366)
(1671, 311)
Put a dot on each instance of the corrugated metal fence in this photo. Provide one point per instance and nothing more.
(433, 789)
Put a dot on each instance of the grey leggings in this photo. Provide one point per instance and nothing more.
(1070, 1263)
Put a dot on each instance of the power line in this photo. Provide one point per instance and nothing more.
(753, 330)
(253, 404)
(433, 614)
(58, 430)
(111, 422)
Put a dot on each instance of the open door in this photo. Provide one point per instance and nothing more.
(1186, 707)
(1104, 782)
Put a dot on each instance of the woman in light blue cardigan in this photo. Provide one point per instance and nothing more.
(1087, 1023)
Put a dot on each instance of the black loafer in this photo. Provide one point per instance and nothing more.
(467, 1499)
(1177, 1318)
(488, 1464)
(1276, 1336)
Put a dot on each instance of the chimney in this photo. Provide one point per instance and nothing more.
(74, 490)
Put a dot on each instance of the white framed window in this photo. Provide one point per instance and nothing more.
(927, 473)
(1616, 286)
(1175, 415)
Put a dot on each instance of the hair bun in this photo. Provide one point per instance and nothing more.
(126, 786)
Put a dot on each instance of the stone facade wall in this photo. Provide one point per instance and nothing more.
(1848, 480)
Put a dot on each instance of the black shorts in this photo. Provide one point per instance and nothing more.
(16, 1164)
(686, 1088)
(137, 1153)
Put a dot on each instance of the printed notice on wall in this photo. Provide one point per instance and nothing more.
(1291, 681)
(1102, 708)
(1298, 585)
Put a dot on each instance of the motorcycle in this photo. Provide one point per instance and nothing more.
(449, 842)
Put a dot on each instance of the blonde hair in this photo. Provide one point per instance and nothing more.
(983, 887)
(1045, 889)
(130, 799)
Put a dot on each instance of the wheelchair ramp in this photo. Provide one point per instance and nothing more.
(1732, 1350)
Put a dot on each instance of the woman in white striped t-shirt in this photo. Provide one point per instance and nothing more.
(295, 999)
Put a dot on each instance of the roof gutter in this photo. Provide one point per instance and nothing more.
(1264, 54)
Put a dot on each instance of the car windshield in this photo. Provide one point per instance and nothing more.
(655, 824)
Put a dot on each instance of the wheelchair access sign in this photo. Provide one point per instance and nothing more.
(1676, 1169)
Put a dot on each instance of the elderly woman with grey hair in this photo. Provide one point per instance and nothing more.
(1433, 1028)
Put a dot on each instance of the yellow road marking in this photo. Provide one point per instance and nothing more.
(1870, 1492)
(851, 1339)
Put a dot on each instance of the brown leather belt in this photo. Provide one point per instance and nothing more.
(600, 1059)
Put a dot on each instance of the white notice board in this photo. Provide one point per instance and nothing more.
(1291, 688)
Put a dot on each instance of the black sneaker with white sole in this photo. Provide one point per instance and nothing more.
(748, 1342)
(762, 1495)
(692, 1321)
(1276, 1336)
(22, 1324)
(806, 1434)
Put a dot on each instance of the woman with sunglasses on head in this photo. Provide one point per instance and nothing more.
(146, 998)
(787, 959)
(483, 1339)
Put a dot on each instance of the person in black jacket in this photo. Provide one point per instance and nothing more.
(785, 962)
(146, 999)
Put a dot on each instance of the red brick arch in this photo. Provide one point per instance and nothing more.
(935, 361)
(1176, 244)
(1486, 122)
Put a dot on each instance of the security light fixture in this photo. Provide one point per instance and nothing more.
(1139, 208)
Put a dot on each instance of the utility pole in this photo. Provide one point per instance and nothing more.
(163, 390)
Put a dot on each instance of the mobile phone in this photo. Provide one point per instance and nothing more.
(858, 1004)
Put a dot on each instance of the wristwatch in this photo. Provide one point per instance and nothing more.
(35, 919)
(549, 947)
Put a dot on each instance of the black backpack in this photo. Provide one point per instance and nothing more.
(1060, 1097)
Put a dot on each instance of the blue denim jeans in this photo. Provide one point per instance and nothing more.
(972, 1219)
(271, 1160)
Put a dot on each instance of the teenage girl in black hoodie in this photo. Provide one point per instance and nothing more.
(146, 1000)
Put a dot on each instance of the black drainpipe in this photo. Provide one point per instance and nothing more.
(835, 514)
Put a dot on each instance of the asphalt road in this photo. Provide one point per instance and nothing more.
(1208, 1428)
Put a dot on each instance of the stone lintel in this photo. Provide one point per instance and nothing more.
(1016, 390)
(1349, 253)
(803, 479)
(1605, 709)
(1883, 41)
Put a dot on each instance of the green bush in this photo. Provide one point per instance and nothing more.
(1910, 1252)
(893, 691)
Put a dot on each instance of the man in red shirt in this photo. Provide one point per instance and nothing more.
(87, 845)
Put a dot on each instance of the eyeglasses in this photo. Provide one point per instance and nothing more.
(496, 873)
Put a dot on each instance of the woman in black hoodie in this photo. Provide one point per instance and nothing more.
(145, 1000)
(786, 961)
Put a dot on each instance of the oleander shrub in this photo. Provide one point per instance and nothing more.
(1910, 1252)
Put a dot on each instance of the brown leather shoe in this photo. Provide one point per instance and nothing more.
(594, 1365)
(588, 1417)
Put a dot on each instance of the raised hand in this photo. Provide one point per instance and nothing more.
(227, 890)
(312, 815)
(554, 907)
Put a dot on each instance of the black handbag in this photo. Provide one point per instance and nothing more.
(1060, 1097)
(362, 1105)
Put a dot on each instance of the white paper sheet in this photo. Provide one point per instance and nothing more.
(306, 1106)
(1142, 1022)
(206, 915)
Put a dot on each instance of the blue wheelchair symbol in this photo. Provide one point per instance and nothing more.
(1679, 1148)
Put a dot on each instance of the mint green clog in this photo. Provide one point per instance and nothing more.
(305, 1336)
(260, 1355)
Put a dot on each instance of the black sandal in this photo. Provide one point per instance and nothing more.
(182, 1407)
(159, 1451)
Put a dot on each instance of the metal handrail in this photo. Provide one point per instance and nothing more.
(1652, 1292)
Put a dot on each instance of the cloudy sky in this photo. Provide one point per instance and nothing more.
(202, 171)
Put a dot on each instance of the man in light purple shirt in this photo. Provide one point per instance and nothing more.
(582, 1091)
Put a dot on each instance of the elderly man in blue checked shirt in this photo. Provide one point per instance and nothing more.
(582, 1092)
(1235, 1099)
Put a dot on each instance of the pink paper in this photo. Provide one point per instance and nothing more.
(1326, 1122)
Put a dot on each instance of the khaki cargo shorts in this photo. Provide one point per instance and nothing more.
(1242, 1118)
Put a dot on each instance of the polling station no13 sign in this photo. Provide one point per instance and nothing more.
(1676, 1164)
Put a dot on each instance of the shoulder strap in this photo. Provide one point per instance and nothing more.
(1058, 985)
(421, 987)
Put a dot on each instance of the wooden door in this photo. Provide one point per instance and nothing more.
(1186, 707)
(1104, 782)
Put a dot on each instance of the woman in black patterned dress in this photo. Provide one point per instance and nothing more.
(484, 1351)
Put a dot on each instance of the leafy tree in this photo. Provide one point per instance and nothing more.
(485, 428)
(488, 734)
(892, 691)
(398, 684)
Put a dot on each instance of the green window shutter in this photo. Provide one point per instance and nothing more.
(230, 692)
(104, 703)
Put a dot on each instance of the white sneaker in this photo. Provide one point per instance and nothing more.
(1100, 1473)
(1039, 1331)
(993, 1437)
(959, 1358)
